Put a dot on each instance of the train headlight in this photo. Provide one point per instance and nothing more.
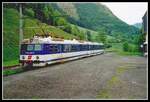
(23, 57)
(37, 57)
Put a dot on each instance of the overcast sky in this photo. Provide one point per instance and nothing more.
(129, 12)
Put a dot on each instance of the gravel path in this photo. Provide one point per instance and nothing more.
(79, 79)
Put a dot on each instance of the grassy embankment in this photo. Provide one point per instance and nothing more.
(11, 34)
(118, 48)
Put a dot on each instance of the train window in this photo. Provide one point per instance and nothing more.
(38, 47)
(77, 47)
(101, 46)
(67, 48)
(73, 47)
(81, 47)
(23, 46)
(54, 48)
(30, 47)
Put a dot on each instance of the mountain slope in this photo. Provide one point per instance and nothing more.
(138, 25)
(11, 33)
(96, 16)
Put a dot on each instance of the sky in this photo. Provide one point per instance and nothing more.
(129, 12)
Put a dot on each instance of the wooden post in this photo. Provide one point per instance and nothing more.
(20, 26)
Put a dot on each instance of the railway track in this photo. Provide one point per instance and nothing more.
(11, 67)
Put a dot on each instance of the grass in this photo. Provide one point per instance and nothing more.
(29, 32)
(93, 33)
(130, 53)
(115, 83)
(117, 47)
(10, 71)
(104, 94)
(121, 69)
(10, 63)
(10, 34)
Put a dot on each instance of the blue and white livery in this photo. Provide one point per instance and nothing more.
(43, 51)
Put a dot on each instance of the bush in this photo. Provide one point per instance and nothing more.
(125, 46)
(130, 47)
(107, 45)
(29, 12)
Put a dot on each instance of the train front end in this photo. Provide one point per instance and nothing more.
(32, 55)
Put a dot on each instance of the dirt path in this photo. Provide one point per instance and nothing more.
(102, 76)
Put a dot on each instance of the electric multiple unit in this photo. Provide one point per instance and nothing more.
(43, 51)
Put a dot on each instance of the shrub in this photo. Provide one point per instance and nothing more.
(125, 46)
(130, 47)
(29, 12)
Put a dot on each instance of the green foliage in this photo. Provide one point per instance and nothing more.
(47, 28)
(46, 12)
(126, 46)
(101, 37)
(67, 28)
(130, 47)
(10, 71)
(29, 12)
(60, 21)
(74, 30)
(118, 48)
(11, 62)
(82, 35)
(10, 34)
(88, 34)
(119, 37)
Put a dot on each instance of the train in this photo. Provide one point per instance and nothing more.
(41, 51)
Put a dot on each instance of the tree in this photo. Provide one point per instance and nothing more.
(82, 35)
(60, 21)
(46, 12)
(67, 28)
(75, 30)
(29, 12)
(88, 34)
(125, 46)
(119, 36)
(101, 37)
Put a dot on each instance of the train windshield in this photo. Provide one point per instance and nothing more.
(30, 48)
(36, 47)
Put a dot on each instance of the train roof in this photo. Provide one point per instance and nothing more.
(49, 39)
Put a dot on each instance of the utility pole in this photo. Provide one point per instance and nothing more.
(20, 26)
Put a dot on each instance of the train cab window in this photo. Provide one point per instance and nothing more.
(30, 47)
(23, 46)
(38, 47)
